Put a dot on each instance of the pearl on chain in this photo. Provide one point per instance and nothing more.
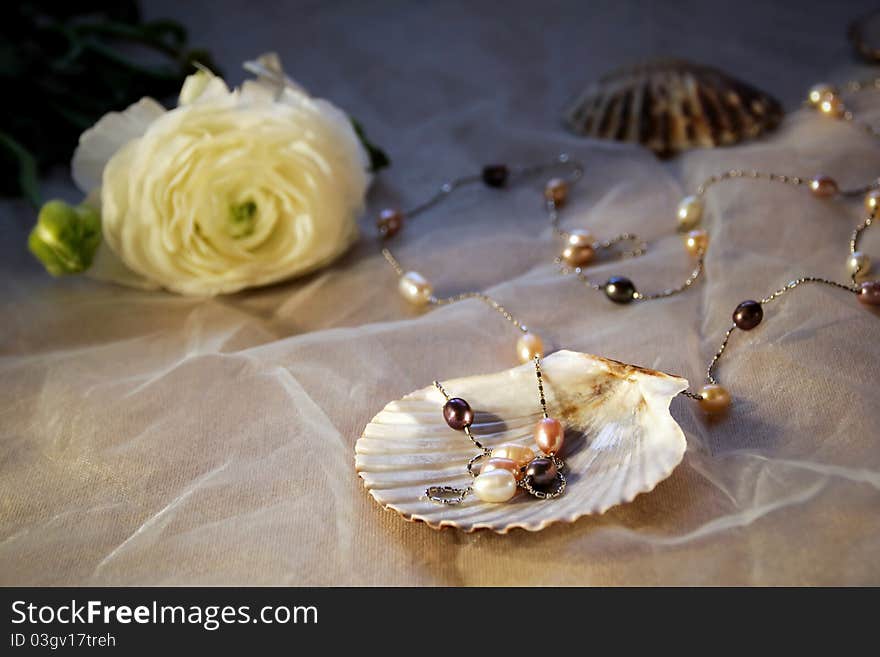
(415, 288)
(869, 293)
(519, 454)
(858, 263)
(690, 212)
(528, 346)
(820, 92)
(458, 413)
(390, 222)
(696, 242)
(832, 106)
(620, 289)
(542, 472)
(748, 315)
(556, 191)
(823, 186)
(872, 200)
(549, 435)
(498, 463)
(495, 175)
(714, 399)
(495, 486)
(578, 249)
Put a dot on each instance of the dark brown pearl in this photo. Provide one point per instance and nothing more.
(458, 414)
(620, 289)
(869, 293)
(390, 222)
(748, 315)
(542, 472)
(495, 175)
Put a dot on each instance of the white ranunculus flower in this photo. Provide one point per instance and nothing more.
(231, 189)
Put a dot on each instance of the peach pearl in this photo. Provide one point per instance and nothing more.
(696, 242)
(714, 398)
(549, 435)
(415, 288)
(823, 187)
(578, 249)
(528, 346)
(831, 106)
(519, 454)
(498, 463)
(556, 191)
(872, 200)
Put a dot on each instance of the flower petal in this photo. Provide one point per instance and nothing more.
(270, 74)
(108, 267)
(202, 86)
(99, 143)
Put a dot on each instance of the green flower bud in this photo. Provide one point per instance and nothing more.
(66, 237)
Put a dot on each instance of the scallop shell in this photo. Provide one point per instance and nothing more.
(620, 441)
(673, 105)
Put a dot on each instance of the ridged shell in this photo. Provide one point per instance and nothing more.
(673, 105)
(620, 441)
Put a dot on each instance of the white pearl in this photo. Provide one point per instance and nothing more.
(415, 288)
(858, 263)
(495, 486)
(690, 211)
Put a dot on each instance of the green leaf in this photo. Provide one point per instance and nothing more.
(378, 158)
(27, 168)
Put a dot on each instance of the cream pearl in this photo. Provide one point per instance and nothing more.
(872, 200)
(528, 346)
(690, 211)
(696, 242)
(495, 486)
(519, 454)
(858, 263)
(549, 435)
(820, 92)
(714, 398)
(415, 288)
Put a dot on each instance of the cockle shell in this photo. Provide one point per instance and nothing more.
(673, 105)
(620, 441)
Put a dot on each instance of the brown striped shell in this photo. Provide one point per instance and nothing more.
(672, 105)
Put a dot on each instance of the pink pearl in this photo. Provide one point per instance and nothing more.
(869, 293)
(549, 435)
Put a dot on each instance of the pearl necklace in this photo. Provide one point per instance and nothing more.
(416, 289)
(509, 466)
(828, 101)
